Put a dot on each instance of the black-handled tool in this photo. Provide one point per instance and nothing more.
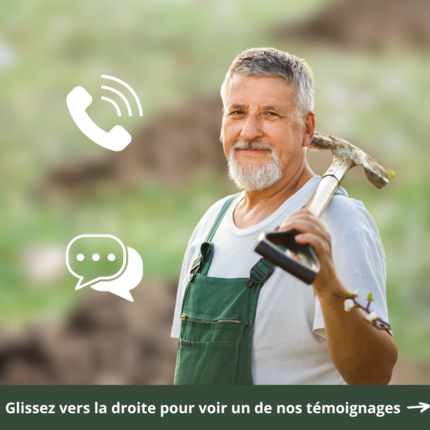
(305, 269)
(345, 156)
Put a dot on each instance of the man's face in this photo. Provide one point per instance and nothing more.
(261, 120)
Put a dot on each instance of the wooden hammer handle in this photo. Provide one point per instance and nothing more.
(328, 186)
(322, 195)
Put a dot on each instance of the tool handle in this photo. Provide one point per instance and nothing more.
(328, 185)
(322, 195)
(305, 269)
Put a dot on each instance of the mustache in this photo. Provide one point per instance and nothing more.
(254, 145)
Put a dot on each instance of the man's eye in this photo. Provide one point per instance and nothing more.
(237, 112)
(271, 113)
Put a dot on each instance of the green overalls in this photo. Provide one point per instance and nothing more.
(217, 318)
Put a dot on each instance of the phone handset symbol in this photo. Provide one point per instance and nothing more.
(77, 101)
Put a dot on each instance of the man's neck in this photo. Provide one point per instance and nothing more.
(258, 205)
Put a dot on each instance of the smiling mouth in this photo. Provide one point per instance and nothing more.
(251, 151)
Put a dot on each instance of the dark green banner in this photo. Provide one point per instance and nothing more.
(159, 407)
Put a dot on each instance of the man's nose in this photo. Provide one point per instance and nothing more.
(252, 127)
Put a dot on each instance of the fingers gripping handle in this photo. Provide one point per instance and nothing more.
(306, 269)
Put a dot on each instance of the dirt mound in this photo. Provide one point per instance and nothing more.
(174, 147)
(370, 24)
(411, 373)
(107, 340)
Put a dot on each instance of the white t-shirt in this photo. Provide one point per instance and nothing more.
(288, 343)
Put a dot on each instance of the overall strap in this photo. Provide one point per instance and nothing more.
(260, 272)
(220, 217)
(206, 246)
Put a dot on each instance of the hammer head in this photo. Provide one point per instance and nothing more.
(378, 174)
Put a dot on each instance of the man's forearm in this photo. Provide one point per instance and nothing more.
(361, 353)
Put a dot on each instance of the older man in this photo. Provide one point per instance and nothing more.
(278, 330)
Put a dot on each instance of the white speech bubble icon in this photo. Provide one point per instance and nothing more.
(92, 281)
(127, 281)
(121, 282)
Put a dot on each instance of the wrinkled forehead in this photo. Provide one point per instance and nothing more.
(257, 91)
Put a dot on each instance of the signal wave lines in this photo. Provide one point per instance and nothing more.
(111, 101)
(112, 78)
(121, 95)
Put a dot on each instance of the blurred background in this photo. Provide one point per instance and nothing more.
(371, 63)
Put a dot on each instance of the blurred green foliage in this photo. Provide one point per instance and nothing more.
(169, 51)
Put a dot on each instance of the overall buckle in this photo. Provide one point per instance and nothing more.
(264, 276)
(195, 268)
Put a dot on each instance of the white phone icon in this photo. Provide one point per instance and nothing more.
(77, 101)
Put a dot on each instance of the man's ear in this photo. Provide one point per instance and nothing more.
(309, 122)
(221, 137)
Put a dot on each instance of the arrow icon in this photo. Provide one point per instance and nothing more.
(423, 406)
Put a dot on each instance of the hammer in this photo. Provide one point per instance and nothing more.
(345, 156)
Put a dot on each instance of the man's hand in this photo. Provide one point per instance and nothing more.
(361, 353)
(316, 233)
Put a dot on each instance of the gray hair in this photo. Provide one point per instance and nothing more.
(272, 62)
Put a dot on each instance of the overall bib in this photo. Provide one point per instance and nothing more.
(217, 319)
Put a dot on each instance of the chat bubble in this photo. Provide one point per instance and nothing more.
(95, 257)
(128, 280)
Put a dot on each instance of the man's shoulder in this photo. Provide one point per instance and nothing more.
(346, 216)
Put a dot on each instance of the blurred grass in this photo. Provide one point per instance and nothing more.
(155, 220)
(169, 51)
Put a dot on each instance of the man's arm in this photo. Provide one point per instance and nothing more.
(361, 353)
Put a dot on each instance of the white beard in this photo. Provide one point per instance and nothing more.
(255, 179)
